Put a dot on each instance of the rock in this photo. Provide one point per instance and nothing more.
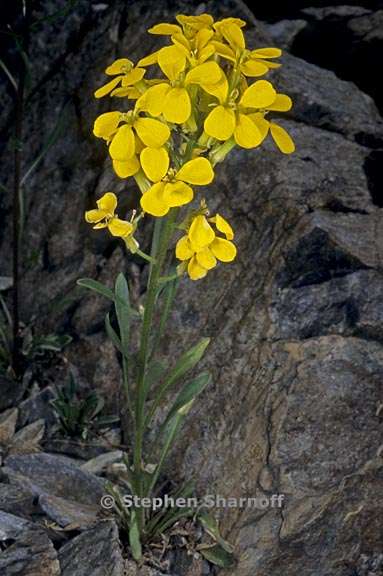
(8, 425)
(60, 478)
(28, 438)
(11, 392)
(341, 12)
(12, 526)
(96, 552)
(16, 500)
(321, 99)
(38, 406)
(67, 513)
(32, 554)
(100, 463)
(284, 32)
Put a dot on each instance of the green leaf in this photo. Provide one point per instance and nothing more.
(11, 78)
(96, 287)
(185, 363)
(219, 556)
(122, 306)
(169, 439)
(210, 526)
(188, 393)
(112, 333)
(134, 538)
(154, 374)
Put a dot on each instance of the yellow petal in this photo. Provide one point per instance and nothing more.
(266, 53)
(197, 171)
(233, 35)
(220, 123)
(183, 249)
(165, 29)
(152, 100)
(259, 95)
(253, 68)
(195, 22)
(152, 132)
(149, 60)
(177, 105)
(246, 133)
(153, 202)
(172, 61)
(205, 53)
(223, 226)
(107, 87)
(119, 66)
(224, 50)
(282, 103)
(223, 250)
(107, 202)
(200, 233)
(155, 163)
(106, 124)
(282, 139)
(202, 38)
(133, 76)
(195, 270)
(206, 258)
(178, 194)
(126, 168)
(261, 123)
(180, 40)
(123, 144)
(119, 227)
(93, 216)
(225, 21)
(220, 89)
(206, 73)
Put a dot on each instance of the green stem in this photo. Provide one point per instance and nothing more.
(161, 237)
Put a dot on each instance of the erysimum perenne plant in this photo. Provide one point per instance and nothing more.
(169, 133)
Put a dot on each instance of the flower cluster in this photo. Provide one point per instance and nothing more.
(182, 123)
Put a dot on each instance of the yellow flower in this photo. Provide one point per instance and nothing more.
(190, 25)
(232, 118)
(172, 190)
(201, 247)
(122, 139)
(249, 62)
(127, 76)
(104, 217)
(198, 49)
(172, 98)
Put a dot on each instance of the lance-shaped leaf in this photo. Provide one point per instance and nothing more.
(170, 436)
(218, 556)
(112, 334)
(122, 306)
(188, 393)
(96, 286)
(134, 538)
(210, 526)
(186, 362)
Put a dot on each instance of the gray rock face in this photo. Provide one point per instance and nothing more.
(296, 321)
(95, 552)
(29, 551)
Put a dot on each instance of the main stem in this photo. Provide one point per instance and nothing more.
(162, 235)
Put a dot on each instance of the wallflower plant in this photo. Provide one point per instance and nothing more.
(172, 127)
